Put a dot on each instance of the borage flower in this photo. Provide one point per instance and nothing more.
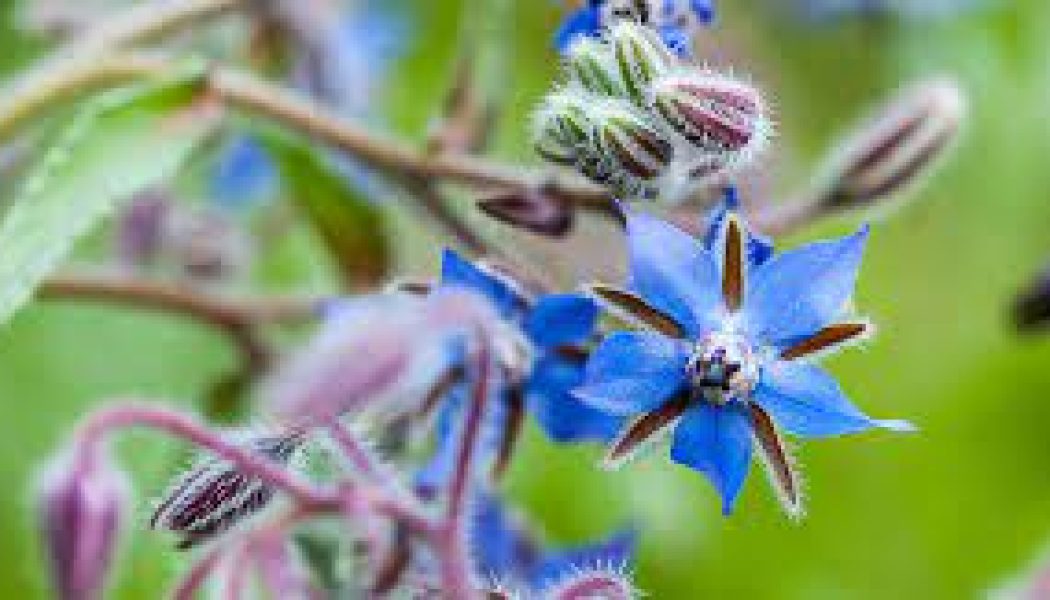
(507, 554)
(721, 357)
(541, 354)
(673, 19)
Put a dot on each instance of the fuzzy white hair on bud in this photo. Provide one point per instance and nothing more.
(594, 582)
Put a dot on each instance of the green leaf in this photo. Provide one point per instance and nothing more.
(124, 141)
(354, 229)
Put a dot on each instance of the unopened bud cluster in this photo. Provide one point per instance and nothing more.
(635, 116)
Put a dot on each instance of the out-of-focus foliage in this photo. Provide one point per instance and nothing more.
(948, 513)
(96, 162)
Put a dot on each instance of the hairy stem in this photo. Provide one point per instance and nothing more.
(456, 569)
(125, 414)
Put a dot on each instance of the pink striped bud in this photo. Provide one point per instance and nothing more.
(82, 504)
(716, 114)
(213, 496)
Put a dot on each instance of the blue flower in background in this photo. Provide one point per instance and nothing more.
(244, 174)
(343, 63)
(674, 19)
(504, 551)
(542, 358)
(725, 327)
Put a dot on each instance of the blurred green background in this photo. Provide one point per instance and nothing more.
(953, 512)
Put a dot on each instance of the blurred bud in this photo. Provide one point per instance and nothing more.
(592, 584)
(641, 57)
(140, 230)
(213, 496)
(635, 148)
(562, 130)
(718, 115)
(407, 340)
(207, 245)
(1032, 307)
(591, 65)
(535, 209)
(82, 502)
(897, 147)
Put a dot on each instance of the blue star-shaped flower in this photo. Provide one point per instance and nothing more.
(540, 354)
(725, 327)
(672, 18)
(504, 551)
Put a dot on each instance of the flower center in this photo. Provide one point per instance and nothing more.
(723, 368)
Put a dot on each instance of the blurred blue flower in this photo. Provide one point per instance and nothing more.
(342, 65)
(541, 355)
(673, 19)
(724, 326)
(243, 174)
(505, 552)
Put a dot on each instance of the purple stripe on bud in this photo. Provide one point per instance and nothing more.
(713, 112)
(82, 502)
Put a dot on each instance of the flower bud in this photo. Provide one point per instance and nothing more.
(213, 496)
(717, 115)
(591, 65)
(604, 583)
(537, 210)
(562, 129)
(898, 146)
(82, 502)
(635, 148)
(641, 57)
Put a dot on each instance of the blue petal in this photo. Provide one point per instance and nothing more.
(805, 401)
(583, 22)
(616, 551)
(759, 247)
(677, 39)
(716, 440)
(561, 415)
(798, 292)
(455, 271)
(674, 273)
(244, 174)
(703, 9)
(633, 372)
(435, 474)
(501, 548)
(560, 319)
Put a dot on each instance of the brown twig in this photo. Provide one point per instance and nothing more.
(238, 318)
(84, 63)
